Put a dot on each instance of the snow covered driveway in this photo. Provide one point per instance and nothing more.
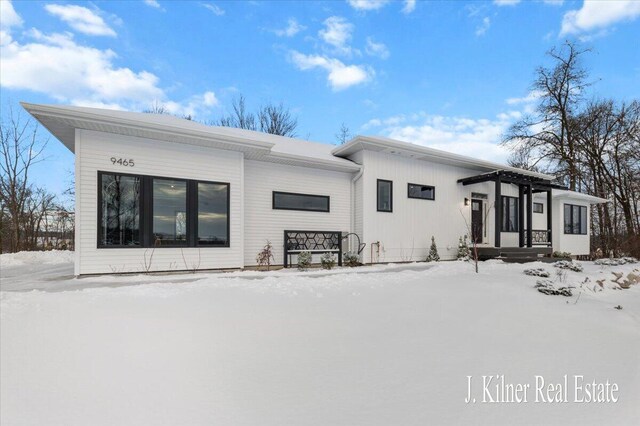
(346, 349)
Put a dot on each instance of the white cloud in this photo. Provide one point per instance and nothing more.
(483, 27)
(81, 19)
(533, 96)
(337, 33)
(57, 66)
(506, 2)
(292, 28)
(340, 76)
(154, 4)
(217, 10)
(376, 49)
(364, 5)
(409, 6)
(597, 15)
(461, 135)
(8, 16)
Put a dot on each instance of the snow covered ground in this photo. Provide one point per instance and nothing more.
(392, 346)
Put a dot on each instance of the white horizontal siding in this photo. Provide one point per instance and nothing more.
(155, 158)
(263, 223)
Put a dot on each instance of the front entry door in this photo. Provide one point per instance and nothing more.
(476, 221)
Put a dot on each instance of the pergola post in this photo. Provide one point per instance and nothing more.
(549, 217)
(498, 214)
(521, 215)
(529, 215)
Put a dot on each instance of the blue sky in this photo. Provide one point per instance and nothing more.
(452, 75)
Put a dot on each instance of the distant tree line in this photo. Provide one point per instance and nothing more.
(31, 218)
(592, 144)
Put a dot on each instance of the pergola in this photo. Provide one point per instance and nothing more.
(526, 183)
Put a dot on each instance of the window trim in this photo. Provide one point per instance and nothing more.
(517, 219)
(571, 208)
(146, 212)
(541, 207)
(273, 202)
(390, 196)
(433, 188)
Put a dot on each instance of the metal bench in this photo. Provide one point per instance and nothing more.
(296, 242)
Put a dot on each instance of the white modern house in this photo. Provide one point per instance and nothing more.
(160, 193)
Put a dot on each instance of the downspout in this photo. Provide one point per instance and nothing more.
(353, 198)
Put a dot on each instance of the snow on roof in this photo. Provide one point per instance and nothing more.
(573, 195)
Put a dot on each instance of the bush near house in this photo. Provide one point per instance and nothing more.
(328, 261)
(304, 260)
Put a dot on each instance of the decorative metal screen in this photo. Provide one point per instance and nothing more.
(313, 241)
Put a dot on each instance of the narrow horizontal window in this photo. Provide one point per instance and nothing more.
(385, 196)
(538, 208)
(424, 192)
(304, 202)
(119, 210)
(510, 214)
(575, 219)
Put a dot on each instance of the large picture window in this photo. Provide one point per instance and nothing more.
(423, 192)
(119, 207)
(304, 202)
(510, 214)
(384, 196)
(145, 211)
(575, 219)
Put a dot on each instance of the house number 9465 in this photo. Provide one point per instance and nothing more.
(123, 162)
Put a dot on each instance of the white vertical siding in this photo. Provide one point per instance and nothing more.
(263, 223)
(155, 158)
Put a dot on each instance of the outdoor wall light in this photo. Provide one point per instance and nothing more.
(466, 201)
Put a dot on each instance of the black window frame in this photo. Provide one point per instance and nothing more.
(274, 207)
(506, 204)
(541, 210)
(433, 188)
(390, 196)
(146, 212)
(572, 207)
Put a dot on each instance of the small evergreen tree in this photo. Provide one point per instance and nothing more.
(433, 251)
(464, 253)
(304, 260)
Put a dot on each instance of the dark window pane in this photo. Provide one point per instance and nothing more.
(538, 207)
(384, 196)
(568, 228)
(583, 220)
(425, 192)
(169, 212)
(289, 201)
(120, 210)
(509, 214)
(576, 219)
(213, 213)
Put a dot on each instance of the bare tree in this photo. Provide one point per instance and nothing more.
(277, 120)
(20, 148)
(239, 117)
(344, 134)
(549, 135)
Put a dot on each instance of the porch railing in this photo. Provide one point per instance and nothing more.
(539, 237)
